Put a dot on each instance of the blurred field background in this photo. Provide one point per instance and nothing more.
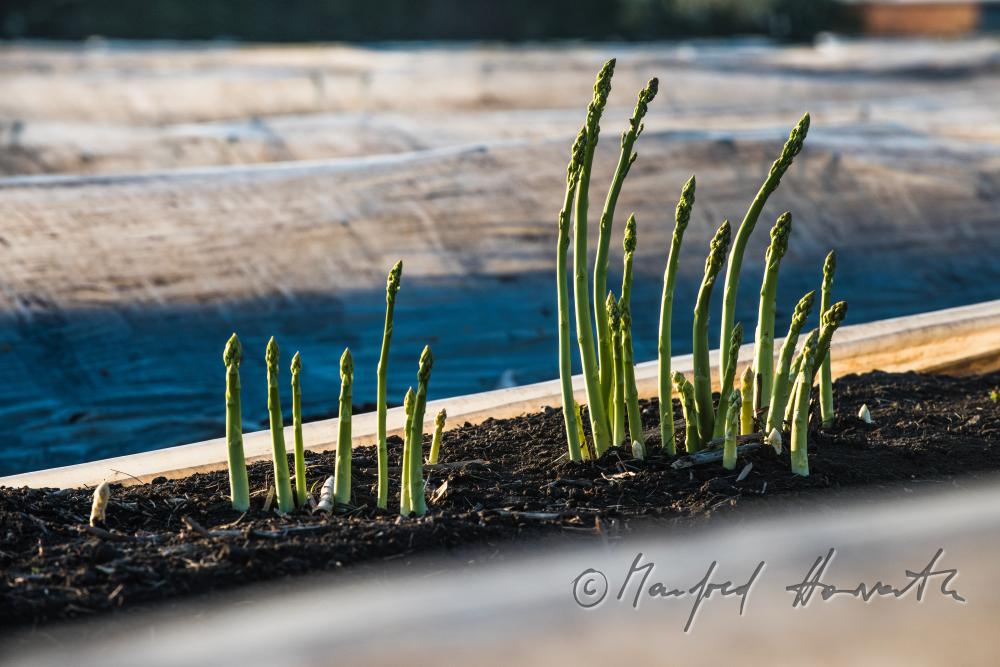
(159, 194)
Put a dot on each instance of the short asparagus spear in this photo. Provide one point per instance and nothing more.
(728, 377)
(699, 337)
(405, 506)
(628, 245)
(432, 458)
(631, 390)
(746, 407)
(826, 409)
(416, 477)
(763, 361)
(789, 398)
(282, 485)
(584, 447)
(392, 285)
(783, 375)
(342, 482)
(616, 407)
(99, 505)
(239, 486)
(596, 400)
(829, 323)
(625, 160)
(732, 426)
(692, 441)
(791, 148)
(570, 415)
(800, 423)
(300, 450)
(681, 218)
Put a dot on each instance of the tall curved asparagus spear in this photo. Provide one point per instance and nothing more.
(826, 408)
(800, 423)
(728, 377)
(699, 336)
(681, 218)
(300, 449)
(416, 477)
(628, 368)
(282, 485)
(625, 160)
(746, 407)
(405, 505)
(342, 468)
(570, 415)
(616, 407)
(392, 285)
(432, 458)
(239, 486)
(783, 376)
(763, 358)
(685, 390)
(596, 401)
(735, 401)
(778, 169)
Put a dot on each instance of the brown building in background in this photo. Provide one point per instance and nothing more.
(942, 18)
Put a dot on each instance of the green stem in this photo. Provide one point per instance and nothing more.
(746, 407)
(239, 486)
(600, 426)
(301, 489)
(416, 476)
(728, 377)
(617, 405)
(826, 407)
(699, 337)
(282, 485)
(631, 390)
(778, 169)
(625, 159)
(799, 448)
(763, 362)
(789, 397)
(570, 414)
(783, 376)
(392, 285)
(685, 390)
(681, 218)
(342, 468)
(829, 323)
(405, 504)
(432, 458)
(732, 426)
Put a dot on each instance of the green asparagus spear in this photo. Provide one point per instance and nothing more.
(616, 408)
(789, 398)
(699, 337)
(800, 423)
(392, 285)
(300, 452)
(570, 415)
(628, 367)
(596, 402)
(405, 505)
(728, 377)
(416, 476)
(826, 408)
(732, 426)
(685, 390)
(681, 218)
(342, 467)
(778, 169)
(432, 458)
(783, 376)
(239, 486)
(584, 447)
(631, 238)
(282, 485)
(832, 317)
(746, 407)
(625, 160)
(763, 361)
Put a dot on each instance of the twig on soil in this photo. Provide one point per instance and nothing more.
(710, 456)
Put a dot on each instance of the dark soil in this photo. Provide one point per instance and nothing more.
(178, 537)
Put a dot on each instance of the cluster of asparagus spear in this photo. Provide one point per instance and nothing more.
(758, 405)
(337, 489)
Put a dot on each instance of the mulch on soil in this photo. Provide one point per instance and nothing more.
(500, 484)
